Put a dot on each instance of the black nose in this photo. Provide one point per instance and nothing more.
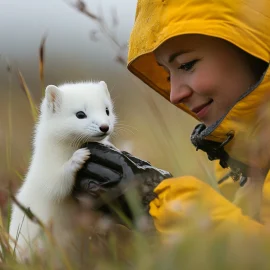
(104, 128)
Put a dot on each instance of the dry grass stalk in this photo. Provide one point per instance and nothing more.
(30, 99)
(41, 63)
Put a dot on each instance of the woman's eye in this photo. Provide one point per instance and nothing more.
(107, 111)
(81, 115)
(188, 66)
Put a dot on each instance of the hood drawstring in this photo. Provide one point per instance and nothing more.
(215, 151)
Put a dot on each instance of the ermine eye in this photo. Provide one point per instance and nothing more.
(107, 111)
(81, 115)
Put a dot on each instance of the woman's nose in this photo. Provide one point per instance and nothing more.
(179, 92)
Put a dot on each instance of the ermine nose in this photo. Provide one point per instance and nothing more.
(104, 128)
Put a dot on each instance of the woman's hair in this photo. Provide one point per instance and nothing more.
(257, 66)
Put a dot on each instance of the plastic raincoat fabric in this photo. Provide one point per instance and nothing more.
(246, 24)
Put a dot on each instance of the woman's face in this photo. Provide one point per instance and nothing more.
(206, 74)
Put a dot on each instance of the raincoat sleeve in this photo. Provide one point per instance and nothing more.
(176, 197)
(265, 209)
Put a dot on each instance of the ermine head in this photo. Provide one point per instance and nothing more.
(79, 112)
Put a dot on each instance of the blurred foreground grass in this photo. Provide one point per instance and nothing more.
(194, 246)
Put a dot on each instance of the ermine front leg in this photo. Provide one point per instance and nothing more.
(59, 188)
(64, 184)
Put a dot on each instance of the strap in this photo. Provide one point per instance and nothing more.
(215, 151)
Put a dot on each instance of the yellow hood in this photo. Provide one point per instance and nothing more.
(245, 23)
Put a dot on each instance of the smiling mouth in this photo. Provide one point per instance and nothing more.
(202, 110)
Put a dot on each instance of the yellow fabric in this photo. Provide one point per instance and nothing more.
(178, 196)
(244, 23)
(265, 208)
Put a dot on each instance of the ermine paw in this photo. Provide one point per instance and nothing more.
(78, 158)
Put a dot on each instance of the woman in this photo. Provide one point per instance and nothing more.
(210, 58)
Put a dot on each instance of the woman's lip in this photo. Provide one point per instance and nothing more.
(202, 110)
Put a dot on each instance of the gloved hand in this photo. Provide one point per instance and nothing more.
(110, 173)
(187, 198)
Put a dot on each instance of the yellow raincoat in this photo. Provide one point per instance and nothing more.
(246, 24)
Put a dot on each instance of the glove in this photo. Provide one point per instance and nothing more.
(178, 198)
(110, 173)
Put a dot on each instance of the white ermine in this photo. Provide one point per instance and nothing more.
(70, 115)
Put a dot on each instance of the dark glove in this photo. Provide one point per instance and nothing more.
(110, 173)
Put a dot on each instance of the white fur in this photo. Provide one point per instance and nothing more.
(56, 158)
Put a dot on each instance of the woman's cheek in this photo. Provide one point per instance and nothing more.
(204, 84)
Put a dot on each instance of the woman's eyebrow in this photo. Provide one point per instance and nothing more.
(174, 55)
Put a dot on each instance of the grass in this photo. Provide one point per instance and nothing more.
(195, 245)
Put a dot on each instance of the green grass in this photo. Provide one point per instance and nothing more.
(196, 245)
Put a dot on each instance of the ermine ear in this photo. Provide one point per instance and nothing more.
(53, 96)
(105, 87)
